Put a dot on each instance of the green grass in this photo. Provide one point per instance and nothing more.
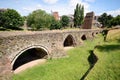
(113, 35)
(75, 66)
(108, 65)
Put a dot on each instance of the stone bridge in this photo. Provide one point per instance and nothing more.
(15, 45)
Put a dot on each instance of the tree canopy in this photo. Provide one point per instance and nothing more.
(108, 20)
(78, 15)
(55, 25)
(115, 21)
(64, 21)
(10, 19)
(39, 20)
(105, 19)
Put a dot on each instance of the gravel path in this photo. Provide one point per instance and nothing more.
(67, 48)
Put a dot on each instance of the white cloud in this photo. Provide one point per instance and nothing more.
(86, 7)
(50, 1)
(63, 9)
(68, 8)
(28, 9)
(73, 4)
(114, 12)
(90, 0)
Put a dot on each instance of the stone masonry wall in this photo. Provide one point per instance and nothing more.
(13, 43)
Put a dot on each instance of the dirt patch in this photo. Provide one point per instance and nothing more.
(29, 65)
(67, 48)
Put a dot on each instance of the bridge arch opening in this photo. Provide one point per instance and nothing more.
(83, 37)
(93, 34)
(69, 41)
(96, 32)
(29, 55)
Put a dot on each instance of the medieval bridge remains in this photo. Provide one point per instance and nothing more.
(19, 47)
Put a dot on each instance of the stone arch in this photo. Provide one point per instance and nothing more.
(84, 37)
(69, 41)
(29, 54)
(96, 32)
(93, 34)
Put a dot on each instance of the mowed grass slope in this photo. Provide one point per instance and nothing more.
(76, 65)
(113, 35)
(108, 65)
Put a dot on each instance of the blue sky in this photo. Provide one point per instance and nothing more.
(64, 7)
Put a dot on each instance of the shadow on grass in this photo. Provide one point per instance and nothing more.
(108, 47)
(118, 40)
(92, 59)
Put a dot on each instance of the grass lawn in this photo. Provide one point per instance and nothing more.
(76, 65)
(113, 35)
(108, 64)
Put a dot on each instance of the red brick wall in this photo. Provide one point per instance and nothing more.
(88, 20)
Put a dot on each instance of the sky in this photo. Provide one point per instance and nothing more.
(64, 7)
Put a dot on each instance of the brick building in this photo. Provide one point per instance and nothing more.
(88, 21)
(56, 15)
(91, 21)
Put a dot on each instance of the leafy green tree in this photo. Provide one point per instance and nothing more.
(65, 21)
(115, 21)
(11, 19)
(105, 19)
(55, 25)
(118, 20)
(39, 20)
(82, 15)
(109, 18)
(2, 19)
(78, 15)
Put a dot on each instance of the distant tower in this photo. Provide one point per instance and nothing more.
(88, 21)
(56, 15)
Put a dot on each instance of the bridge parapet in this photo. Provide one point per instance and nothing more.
(15, 41)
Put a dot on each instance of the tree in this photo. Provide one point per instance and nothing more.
(2, 19)
(11, 19)
(39, 20)
(115, 21)
(55, 25)
(109, 18)
(105, 19)
(78, 15)
(118, 19)
(82, 15)
(64, 21)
